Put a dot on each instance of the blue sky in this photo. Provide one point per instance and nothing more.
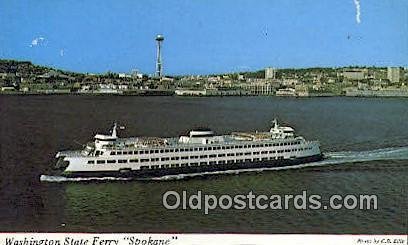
(204, 37)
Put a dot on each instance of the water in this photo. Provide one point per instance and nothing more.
(365, 141)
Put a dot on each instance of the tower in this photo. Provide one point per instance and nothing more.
(159, 67)
(393, 74)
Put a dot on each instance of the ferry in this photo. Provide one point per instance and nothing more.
(199, 151)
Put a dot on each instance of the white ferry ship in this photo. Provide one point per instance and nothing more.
(199, 151)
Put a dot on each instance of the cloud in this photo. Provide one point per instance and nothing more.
(37, 41)
(357, 3)
(61, 52)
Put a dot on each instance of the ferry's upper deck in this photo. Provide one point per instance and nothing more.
(199, 136)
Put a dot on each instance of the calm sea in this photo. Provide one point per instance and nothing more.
(366, 137)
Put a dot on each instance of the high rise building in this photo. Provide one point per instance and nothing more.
(393, 74)
(270, 73)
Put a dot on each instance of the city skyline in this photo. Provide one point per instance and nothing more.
(226, 36)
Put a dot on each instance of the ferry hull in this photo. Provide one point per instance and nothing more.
(148, 173)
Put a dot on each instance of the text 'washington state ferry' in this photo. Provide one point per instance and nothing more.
(199, 151)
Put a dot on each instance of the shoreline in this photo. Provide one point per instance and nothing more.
(186, 96)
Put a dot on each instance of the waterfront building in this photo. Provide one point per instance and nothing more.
(258, 88)
(286, 92)
(393, 74)
(185, 92)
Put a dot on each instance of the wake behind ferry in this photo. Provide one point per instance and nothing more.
(199, 151)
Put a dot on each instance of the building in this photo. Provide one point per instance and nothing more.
(393, 74)
(354, 74)
(270, 73)
(286, 92)
(258, 88)
(186, 92)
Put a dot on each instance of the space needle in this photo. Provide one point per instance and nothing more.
(159, 66)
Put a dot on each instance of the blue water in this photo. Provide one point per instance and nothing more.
(365, 141)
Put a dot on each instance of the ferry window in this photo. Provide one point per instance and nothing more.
(245, 146)
(171, 150)
(167, 150)
(255, 153)
(195, 149)
(256, 159)
(140, 152)
(203, 163)
(212, 156)
(122, 161)
(247, 153)
(212, 162)
(272, 151)
(151, 151)
(218, 148)
(144, 160)
(124, 153)
(240, 154)
(248, 160)
(111, 161)
(164, 158)
(91, 162)
(240, 160)
(264, 158)
(181, 150)
(264, 152)
(133, 160)
(176, 150)
(203, 156)
(193, 157)
(184, 164)
(194, 164)
(100, 161)
(113, 153)
(209, 148)
(230, 161)
(184, 157)
(221, 162)
(174, 165)
(240, 147)
(230, 154)
(221, 155)
(174, 158)
(156, 151)
(223, 147)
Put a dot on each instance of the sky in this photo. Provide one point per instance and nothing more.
(204, 37)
